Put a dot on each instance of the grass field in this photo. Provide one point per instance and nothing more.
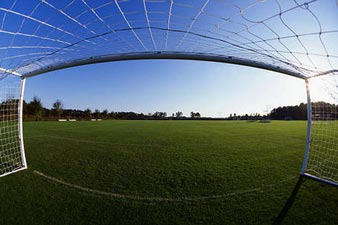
(163, 172)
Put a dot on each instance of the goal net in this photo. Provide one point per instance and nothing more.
(296, 37)
(12, 158)
(323, 150)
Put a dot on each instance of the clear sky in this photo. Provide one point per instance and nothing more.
(213, 89)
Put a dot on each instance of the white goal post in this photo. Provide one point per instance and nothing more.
(297, 38)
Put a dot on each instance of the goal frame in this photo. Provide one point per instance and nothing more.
(177, 56)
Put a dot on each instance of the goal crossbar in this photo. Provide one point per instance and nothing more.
(167, 55)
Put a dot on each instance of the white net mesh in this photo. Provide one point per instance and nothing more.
(296, 35)
(10, 154)
(323, 157)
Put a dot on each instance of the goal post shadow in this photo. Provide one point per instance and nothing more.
(288, 204)
(291, 199)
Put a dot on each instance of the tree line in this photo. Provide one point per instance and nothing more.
(34, 110)
(320, 109)
(296, 112)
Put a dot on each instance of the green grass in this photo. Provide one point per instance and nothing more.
(212, 172)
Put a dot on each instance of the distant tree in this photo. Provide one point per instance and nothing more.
(104, 113)
(97, 113)
(58, 108)
(88, 113)
(297, 112)
(159, 115)
(35, 108)
(178, 114)
(112, 115)
(195, 115)
(246, 116)
(156, 115)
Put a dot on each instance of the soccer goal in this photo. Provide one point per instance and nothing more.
(296, 38)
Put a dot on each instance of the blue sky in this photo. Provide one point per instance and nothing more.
(213, 89)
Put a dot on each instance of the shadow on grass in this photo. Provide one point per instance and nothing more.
(282, 214)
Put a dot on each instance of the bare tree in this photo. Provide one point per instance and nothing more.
(178, 114)
(58, 107)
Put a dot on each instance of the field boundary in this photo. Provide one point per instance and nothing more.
(157, 199)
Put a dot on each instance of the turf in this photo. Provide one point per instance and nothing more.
(164, 172)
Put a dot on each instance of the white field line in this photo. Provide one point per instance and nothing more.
(158, 199)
